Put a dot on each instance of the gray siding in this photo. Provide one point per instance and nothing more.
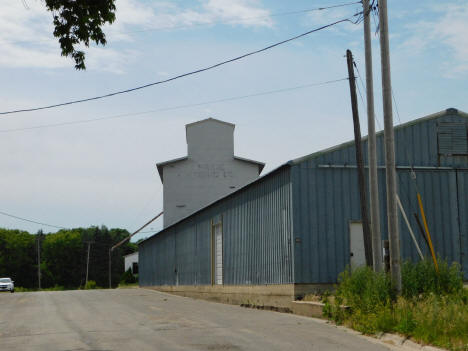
(325, 200)
(462, 182)
(256, 240)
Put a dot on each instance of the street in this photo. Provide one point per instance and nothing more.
(140, 319)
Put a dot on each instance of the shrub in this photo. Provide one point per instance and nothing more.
(433, 307)
(128, 277)
(91, 284)
(421, 278)
(364, 289)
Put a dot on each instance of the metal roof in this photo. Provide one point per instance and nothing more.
(161, 165)
(397, 127)
(261, 165)
(314, 155)
(210, 119)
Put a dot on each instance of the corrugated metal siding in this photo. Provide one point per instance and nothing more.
(326, 199)
(452, 138)
(439, 196)
(462, 182)
(256, 240)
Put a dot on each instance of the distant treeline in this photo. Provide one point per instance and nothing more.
(63, 256)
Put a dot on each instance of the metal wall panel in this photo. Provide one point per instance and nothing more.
(256, 240)
(325, 200)
(438, 191)
(462, 183)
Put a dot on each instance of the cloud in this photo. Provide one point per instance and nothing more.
(27, 40)
(324, 17)
(449, 28)
(239, 12)
(164, 15)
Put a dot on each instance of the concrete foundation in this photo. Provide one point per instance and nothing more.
(275, 297)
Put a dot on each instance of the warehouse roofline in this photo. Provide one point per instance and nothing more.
(308, 157)
(218, 200)
(397, 127)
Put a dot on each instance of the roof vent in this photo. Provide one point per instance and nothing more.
(452, 110)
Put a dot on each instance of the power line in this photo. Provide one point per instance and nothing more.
(233, 21)
(62, 124)
(184, 74)
(31, 221)
(365, 89)
(240, 20)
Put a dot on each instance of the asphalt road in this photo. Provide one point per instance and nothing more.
(140, 319)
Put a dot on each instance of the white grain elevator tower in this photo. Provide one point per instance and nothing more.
(208, 172)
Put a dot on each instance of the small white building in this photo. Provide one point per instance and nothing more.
(208, 172)
(131, 261)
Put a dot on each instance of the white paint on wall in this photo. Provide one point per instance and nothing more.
(209, 172)
(129, 260)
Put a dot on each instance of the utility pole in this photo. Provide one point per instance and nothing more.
(389, 136)
(110, 268)
(359, 160)
(87, 261)
(39, 235)
(372, 146)
(39, 260)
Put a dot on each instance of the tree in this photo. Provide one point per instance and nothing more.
(79, 22)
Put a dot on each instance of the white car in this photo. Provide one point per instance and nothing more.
(6, 284)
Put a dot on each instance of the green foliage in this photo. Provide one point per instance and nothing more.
(52, 288)
(128, 277)
(432, 309)
(365, 289)
(421, 278)
(79, 22)
(91, 284)
(18, 257)
(63, 257)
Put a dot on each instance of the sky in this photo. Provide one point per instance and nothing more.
(103, 172)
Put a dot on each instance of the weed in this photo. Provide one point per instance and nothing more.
(432, 309)
(91, 284)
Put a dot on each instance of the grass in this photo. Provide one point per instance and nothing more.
(432, 309)
(128, 286)
(53, 288)
(90, 285)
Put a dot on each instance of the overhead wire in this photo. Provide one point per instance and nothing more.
(365, 90)
(31, 221)
(207, 23)
(240, 20)
(131, 114)
(412, 173)
(184, 74)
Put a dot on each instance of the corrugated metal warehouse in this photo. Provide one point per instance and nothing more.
(296, 225)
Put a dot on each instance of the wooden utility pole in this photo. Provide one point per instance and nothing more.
(87, 260)
(359, 161)
(110, 268)
(39, 234)
(389, 136)
(372, 146)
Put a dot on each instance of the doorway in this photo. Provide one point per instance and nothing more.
(356, 245)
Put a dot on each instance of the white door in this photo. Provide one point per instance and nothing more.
(356, 245)
(218, 238)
